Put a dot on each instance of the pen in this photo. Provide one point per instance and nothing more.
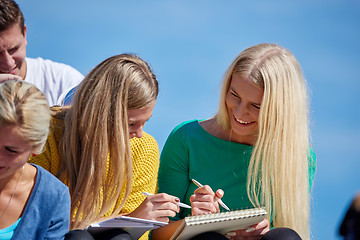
(219, 200)
(179, 204)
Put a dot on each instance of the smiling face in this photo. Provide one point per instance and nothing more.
(243, 101)
(13, 51)
(14, 150)
(137, 119)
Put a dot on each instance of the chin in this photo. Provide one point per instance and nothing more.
(244, 130)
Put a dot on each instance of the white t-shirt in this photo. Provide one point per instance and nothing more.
(52, 78)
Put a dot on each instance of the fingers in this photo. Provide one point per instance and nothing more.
(253, 232)
(204, 190)
(207, 190)
(202, 197)
(163, 197)
(259, 229)
(5, 77)
(242, 234)
(263, 224)
(163, 201)
(204, 201)
(201, 208)
(157, 207)
(162, 219)
(162, 215)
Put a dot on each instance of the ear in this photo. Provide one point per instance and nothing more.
(36, 150)
(25, 31)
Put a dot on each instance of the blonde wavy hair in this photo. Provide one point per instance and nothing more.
(25, 106)
(95, 150)
(278, 169)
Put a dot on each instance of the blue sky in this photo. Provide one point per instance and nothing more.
(189, 45)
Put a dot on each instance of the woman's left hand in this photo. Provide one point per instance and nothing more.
(254, 232)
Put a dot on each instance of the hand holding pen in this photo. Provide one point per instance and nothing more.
(205, 201)
(158, 207)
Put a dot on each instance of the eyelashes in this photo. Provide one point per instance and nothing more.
(10, 150)
(136, 124)
(234, 94)
(256, 106)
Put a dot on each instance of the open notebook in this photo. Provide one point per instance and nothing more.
(136, 227)
(219, 222)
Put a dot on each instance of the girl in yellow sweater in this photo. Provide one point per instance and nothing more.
(98, 148)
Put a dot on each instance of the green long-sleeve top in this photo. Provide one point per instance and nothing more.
(191, 152)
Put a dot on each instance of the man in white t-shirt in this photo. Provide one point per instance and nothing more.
(50, 77)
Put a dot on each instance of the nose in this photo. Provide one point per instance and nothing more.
(240, 110)
(6, 60)
(138, 133)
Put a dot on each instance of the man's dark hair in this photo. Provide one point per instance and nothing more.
(10, 14)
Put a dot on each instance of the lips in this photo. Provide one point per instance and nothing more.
(11, 71)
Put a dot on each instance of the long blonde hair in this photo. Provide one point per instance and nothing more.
(95, 150)
(25, 106)
(278, 169)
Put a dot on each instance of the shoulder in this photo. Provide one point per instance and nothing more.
(48, 209)
(312, 158)
(49, 158)
(181, 137)
(56, 129)
(46, 179)
(46, 62)
(50, 66)
(144, 150)
(57, 118)
(47, 188)
(43, 63)
(146, 141)
(186, 126)
(185, 130)
(30, 61)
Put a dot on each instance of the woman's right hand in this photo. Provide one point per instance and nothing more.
(158, 207)
(205, 201)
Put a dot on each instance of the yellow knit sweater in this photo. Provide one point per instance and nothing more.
(145, 153)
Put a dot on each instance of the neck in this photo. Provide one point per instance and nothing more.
(216, 130)
(246, 140)
(23, 70)
(10, 181)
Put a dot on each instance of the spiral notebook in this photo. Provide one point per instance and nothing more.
(219, 222)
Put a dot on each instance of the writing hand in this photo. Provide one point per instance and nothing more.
(158, 207)
(205, 201)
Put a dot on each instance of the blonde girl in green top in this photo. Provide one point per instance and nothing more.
(263, 105)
